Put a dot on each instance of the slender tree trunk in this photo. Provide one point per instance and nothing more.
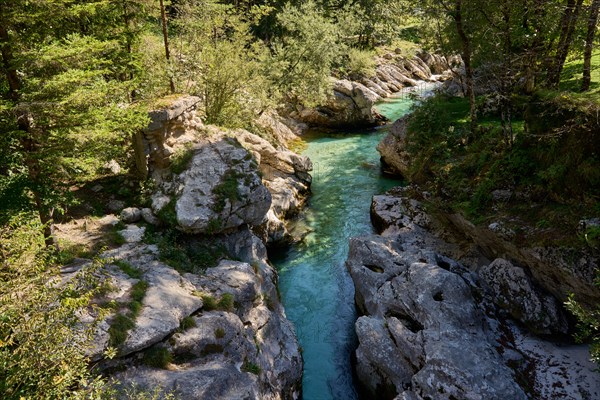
(568, 24)
(589, 45)
(28, 142)
(466, 56)
(163, 17)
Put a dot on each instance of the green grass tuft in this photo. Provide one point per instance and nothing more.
(157, 357)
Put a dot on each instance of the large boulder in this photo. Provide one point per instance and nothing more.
(168, 298)
(392, 148)
(246, 350)
(218, 190)
(423, 332)
(350, 104)
(513, 290)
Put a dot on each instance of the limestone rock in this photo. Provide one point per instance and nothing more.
(115, 205)
(513, 290)
(219, 190)
(130, 215)
(113, 167)
(133, 233)
(149, 217)
(394, 155)
(286, 175)
(425, 331)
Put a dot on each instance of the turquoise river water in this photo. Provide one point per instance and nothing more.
(316, 289)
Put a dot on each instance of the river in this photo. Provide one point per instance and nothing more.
(316, 289)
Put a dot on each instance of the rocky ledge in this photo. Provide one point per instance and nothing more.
(210, 180)
(351, 102)
(434, 328)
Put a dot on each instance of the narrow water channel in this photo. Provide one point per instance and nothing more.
(316, 290)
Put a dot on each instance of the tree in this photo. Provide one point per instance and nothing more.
(65, 100)
(589, 44)
(567, 28)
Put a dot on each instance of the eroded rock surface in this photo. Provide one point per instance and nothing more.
(219, 190)
(394, 155)
(514, 290)
(433, 328)
(286, 175)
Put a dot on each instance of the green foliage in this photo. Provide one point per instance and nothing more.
(208, 302)
(359, 63)
(588, 325)
(124, 320)
(187, 323)
(180, 161)
(226, 302)
(168, 214)
(185, 253)
(468, 167)
(226, 190)
(251, 367)
(303, 58)
(119, 326)
(42, 354)
(138, 291)
(157, 357)
(130, 270)
(219, 333)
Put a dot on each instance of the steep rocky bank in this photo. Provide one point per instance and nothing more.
(350, 105)
(191, 304)
(434, 327)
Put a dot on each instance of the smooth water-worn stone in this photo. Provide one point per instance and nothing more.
(130, 215)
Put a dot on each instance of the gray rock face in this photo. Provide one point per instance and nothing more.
(394, 156)
(249, 351)
(286, 175)
(423, 333)
(167, 300)
(433, 329)
(513, 290)
(220, 190)
(350, 104)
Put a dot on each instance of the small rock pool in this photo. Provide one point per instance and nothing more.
(316, 290)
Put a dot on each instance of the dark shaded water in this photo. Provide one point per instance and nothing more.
(316, 290)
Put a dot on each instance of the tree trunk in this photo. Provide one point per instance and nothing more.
(589, 45)
(163, 17)
(466, 56)
(568, 23)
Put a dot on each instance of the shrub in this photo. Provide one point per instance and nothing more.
(180, 161)
(187, 323)
(157, 357)
(251, 367)
(41, 354)
(219, 333)
(360, 63)
(226, 302)
(128, 269)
